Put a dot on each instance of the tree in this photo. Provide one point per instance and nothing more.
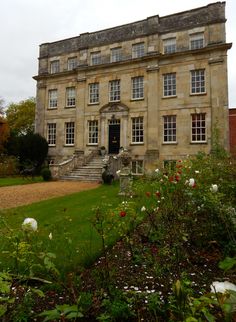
(1, 106)
(20, 116)
(32, 149)
(4, 133)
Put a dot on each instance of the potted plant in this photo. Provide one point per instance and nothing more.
(102, 150)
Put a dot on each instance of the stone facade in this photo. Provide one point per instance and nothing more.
(157, 87)
(232, 131)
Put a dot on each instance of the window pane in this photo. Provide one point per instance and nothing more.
(72, 63)
(96, 58)
(137, 130)
(138, 50)
(116, 54)
(70, 96)
(70, 133)
(51, 133)
(93, 132)
(94, 93)
(137, 87)
(137, 167)
(169, 45)
(197, 41)
(55, 66)
(198, 127)
(169, 128)
(114, 91)
(198, 81)
(169, 84)
(52, 95)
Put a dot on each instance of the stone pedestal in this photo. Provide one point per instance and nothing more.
(125, 174)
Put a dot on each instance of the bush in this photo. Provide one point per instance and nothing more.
(8, 166)
(46, 174)
(30, 149)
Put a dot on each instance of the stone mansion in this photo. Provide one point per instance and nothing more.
(156, 87)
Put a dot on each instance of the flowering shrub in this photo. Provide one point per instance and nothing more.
(190, 203)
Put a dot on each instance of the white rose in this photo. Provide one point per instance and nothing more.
(30, 224)
(214, 188)
(221, 287)
(191, 182)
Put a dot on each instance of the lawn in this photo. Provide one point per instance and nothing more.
(68, 219)
(12, 181)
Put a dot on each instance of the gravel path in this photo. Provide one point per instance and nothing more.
(14, 196)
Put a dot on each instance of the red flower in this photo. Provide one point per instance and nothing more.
(122, 213)
(171, 179)
(148, 194)
(157, 193)
(179, 166)
(154, 250)
(177, 178)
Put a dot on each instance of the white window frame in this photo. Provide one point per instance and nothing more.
(169, 45)
(198, 81)
(95, 58)
(137, 88)
(69, 133)
(116, 54)
(52, 98)
(70, 96)
(137, 133)
(93, 93)
(169, 84)
(137, 167)
(51, 134)
(114, 90)
(55, 66)
(198, 128)
(93, 132)
(169, 128)
(197, 41)
(71, 63)
(138, 50)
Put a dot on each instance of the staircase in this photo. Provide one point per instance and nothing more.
(91, 172)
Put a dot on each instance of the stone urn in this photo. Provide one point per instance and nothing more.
(125, 158)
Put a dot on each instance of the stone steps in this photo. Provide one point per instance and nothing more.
(91, 172)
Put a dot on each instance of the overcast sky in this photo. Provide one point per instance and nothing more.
(25, 24)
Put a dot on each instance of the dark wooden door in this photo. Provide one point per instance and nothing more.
(114, 138)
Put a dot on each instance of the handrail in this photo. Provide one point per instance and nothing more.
(64, 167)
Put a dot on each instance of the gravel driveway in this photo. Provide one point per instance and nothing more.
(14, 196)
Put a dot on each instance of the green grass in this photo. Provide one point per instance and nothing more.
(12, 181)
(75, 241)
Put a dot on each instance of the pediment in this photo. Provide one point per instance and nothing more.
(114, 108)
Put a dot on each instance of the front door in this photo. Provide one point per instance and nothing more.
(114, 137)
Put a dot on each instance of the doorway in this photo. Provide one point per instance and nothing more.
(114, 137)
